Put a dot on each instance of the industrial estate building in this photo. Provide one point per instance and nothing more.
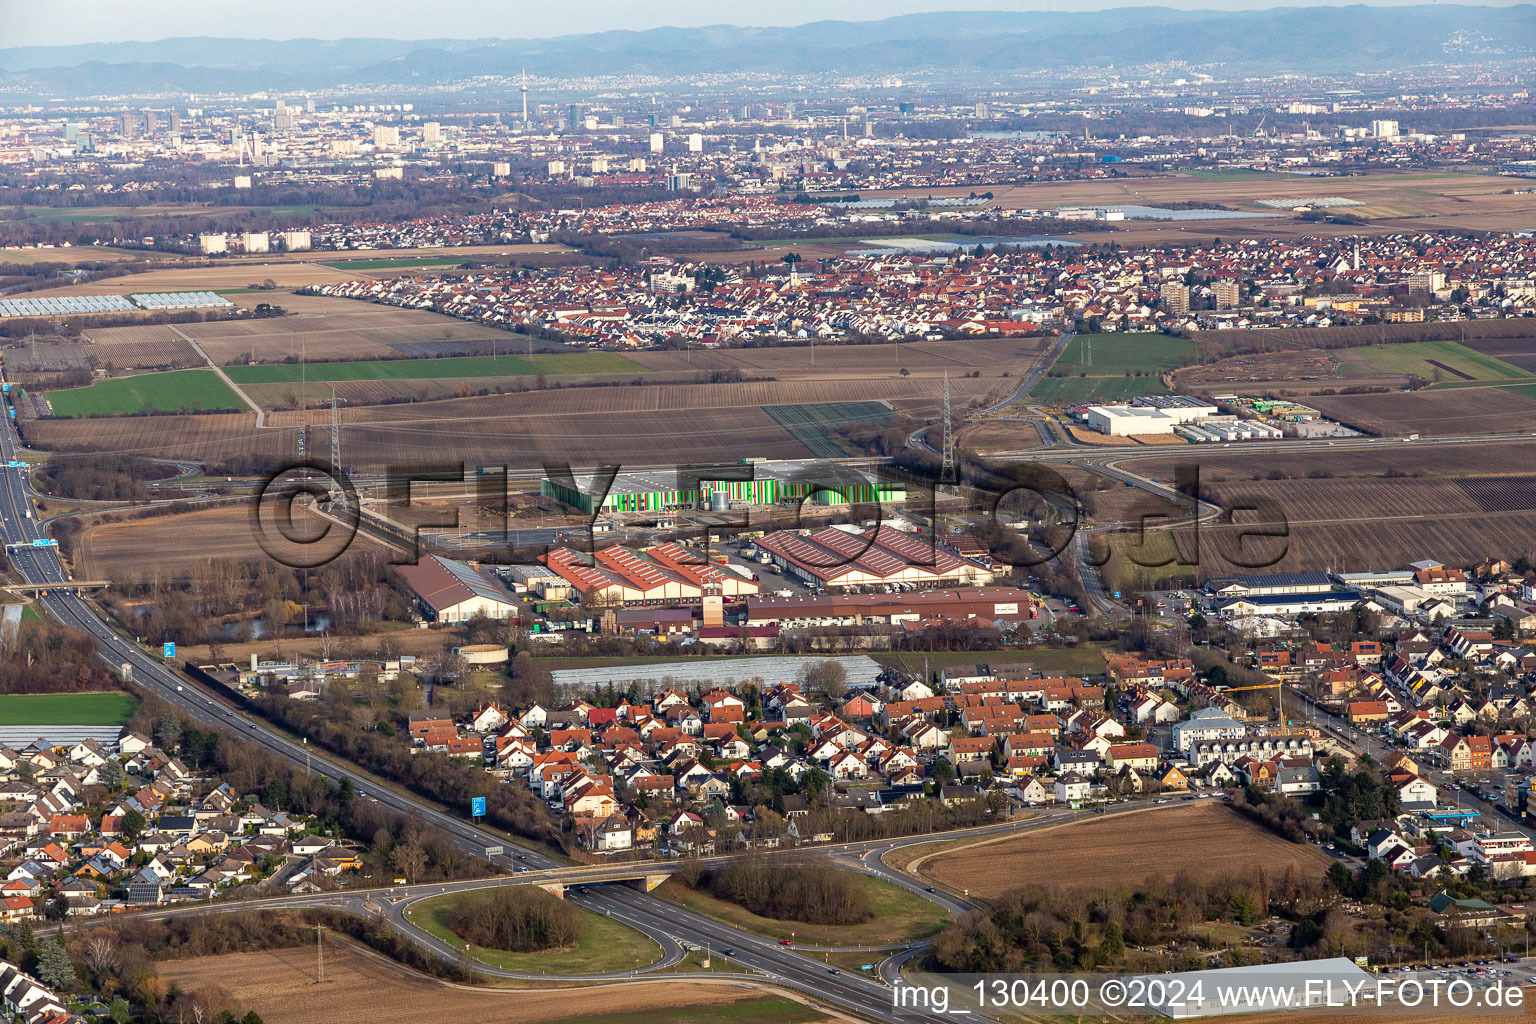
(843, 557)
(860, 673)
(1193, 419)
(667, 574)
(1148, 415)
(990, 603)
(772, 483)
(1279, 594)
(450, 591)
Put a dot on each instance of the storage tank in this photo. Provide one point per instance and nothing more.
(719, 501)
(484, 654)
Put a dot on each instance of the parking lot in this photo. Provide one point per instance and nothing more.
(1480, 973)
(1173, 603)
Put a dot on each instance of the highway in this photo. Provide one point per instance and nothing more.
(1030, 379)
(669, 924)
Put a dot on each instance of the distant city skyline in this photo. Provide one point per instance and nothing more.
(63, 22)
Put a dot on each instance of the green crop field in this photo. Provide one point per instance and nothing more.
(812, 424)
(104, 708)
(1095, 389)
(1113, 367)
(1111, 355)
(453, 367)
(1456, 361)
(170, 391)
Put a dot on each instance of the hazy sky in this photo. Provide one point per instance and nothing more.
(29, 22)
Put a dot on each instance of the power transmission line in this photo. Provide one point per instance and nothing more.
(947, 470)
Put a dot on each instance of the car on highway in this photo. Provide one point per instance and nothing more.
(727, 951)
(930, 889)
(786, 942)
(833, 970)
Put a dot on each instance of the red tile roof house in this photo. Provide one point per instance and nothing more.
(68, 825)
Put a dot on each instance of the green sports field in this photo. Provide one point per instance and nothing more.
(103, 708)
(170, 391)
(1455, 361)
(435, 369)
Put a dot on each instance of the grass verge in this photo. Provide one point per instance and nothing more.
(900, 916)
(606, 946)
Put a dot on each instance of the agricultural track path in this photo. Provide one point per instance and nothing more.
(261, 414)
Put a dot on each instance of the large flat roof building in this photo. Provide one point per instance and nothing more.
(842, 558)
(1153, 414)
(858, 609)
(450, 591)
(665, 574)
(697, 675)
(771, 483)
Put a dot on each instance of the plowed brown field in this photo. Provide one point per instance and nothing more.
(362, 989)
(1204, 839)
(1475, 410)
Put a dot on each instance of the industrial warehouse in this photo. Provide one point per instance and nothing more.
(1193, 419)
(450, 591)
(844, 557)
(667, 574)
(1148, 415)
(771, 483)
(989, 603)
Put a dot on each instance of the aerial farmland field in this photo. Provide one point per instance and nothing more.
(1113, 367)
(169, 391)
(1440, 360)
(103, 708)
(1109, 355)
(1362, 510)
(279, 985)
(431, 369)
(1434, 412)
(1068, 390)
(812, 425)
(1122, 850)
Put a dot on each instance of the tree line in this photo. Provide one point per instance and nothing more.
(522, 918)
(792, 890)
(394, 844)
(330, 726)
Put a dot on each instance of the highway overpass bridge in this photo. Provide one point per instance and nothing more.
(43, 588)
